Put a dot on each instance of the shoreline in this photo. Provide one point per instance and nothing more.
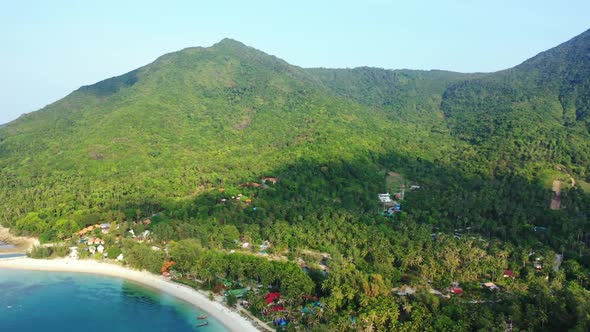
(232, 320)
(20, 244)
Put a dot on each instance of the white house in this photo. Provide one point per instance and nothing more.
(73, 252)
(385, 198)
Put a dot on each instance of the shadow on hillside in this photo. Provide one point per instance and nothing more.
(506, 207)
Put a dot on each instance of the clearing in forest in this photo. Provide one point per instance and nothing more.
(394, 181)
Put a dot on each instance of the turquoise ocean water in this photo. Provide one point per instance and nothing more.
(60, 301)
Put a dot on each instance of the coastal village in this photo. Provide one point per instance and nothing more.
(265, 304)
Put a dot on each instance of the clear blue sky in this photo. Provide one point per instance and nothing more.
(50, 48)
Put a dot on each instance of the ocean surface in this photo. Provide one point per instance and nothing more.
(4, 245)
(63, 301)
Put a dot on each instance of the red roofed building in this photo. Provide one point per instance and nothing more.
(509, 274)
(271, 297)
(456, 290)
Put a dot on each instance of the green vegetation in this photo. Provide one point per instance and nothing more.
(183, 140)
(46, 252)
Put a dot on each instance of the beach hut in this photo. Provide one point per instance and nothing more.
(100, 248)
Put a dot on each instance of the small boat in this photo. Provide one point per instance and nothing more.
(202, 324)
(202, 317)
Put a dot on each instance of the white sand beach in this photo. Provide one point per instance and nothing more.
(231, 319)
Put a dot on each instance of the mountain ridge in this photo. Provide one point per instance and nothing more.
(229, 44)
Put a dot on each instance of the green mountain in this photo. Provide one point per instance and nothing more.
(190, 118)
(184, 139)
(230, 114)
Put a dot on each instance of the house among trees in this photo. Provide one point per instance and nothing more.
(238, 293)
(508, 274)
(95, 241)
(456, 290)
(538, 264)
(105, 228)
(253, 184)
(273, 300)
(272, 297)
(490, 286)
(270, 179)
(385, 198)
(88, 229)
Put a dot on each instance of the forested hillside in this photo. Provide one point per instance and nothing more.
(537, 111)
(188, 139)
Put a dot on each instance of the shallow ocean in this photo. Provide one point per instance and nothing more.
(64, 301)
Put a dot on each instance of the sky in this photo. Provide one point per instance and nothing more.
(51, 48)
